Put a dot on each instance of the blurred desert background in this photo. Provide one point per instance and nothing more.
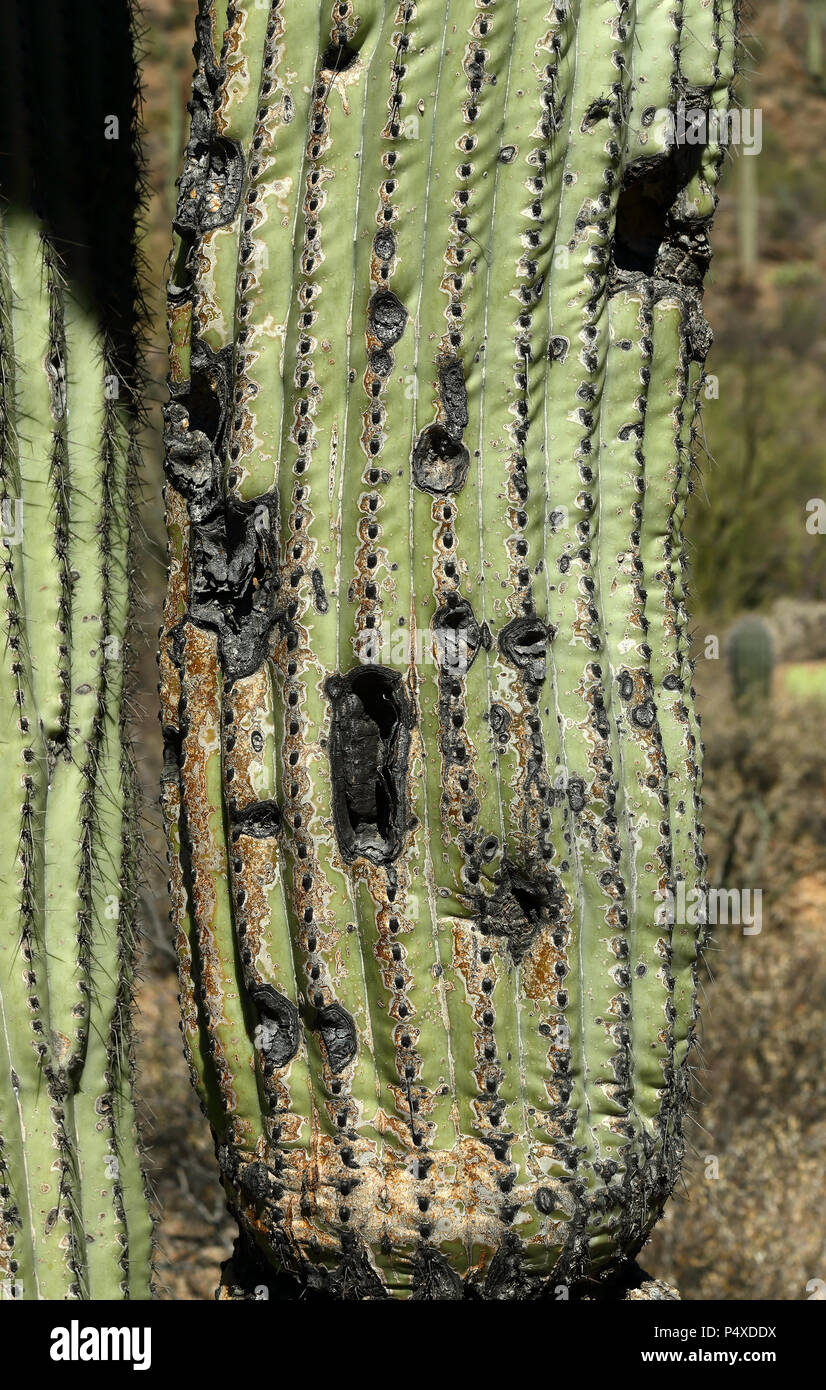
(749, 1219)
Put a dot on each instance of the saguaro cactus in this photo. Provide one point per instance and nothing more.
(750, 652)
(74, 1218)
(432, 761)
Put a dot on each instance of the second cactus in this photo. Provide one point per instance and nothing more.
(750, 652)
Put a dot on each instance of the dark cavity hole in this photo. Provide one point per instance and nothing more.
(261, 820)
(440, 462)
(644, 208)
(204, 405)
(278, 1032)
(338, 56)
(523, 642)
(522, 904)
(369, 746)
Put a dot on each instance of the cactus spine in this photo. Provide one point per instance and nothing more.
(74, 1216)
(432, 760)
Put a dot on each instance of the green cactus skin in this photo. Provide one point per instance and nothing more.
(74, 1220)
(750, 654)
(74, 1210)
(436, 354)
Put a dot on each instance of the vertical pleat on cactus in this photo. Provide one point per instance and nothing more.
(432, 762)
(74, 1212)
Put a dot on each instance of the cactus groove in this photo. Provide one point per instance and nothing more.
(432, 759)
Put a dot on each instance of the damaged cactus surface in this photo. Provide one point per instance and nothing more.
(432, 762)
(74, 1211)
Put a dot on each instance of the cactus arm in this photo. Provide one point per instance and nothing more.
(40, 348)
(40, 1110)
(17, 1232)
(64, 1091)
(67, 447)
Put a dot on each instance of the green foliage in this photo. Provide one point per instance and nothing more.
(762, 414)
(805, 680)
(435, 352)
(748, 522)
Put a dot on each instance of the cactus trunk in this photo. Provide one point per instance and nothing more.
(74, 1216)
(432, 760)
